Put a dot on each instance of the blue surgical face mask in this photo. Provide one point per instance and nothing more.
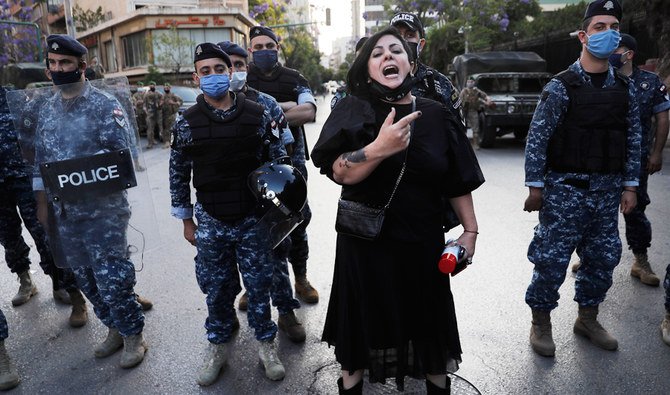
(603, 44)
(238, 81)
(215, 85)
(265, 59)
(616, 59)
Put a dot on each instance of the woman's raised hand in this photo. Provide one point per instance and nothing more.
(394, 137)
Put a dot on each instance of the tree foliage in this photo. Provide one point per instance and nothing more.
(18, 43)
(301, 54)
(87, 19)
(268, 12)
(172, 51)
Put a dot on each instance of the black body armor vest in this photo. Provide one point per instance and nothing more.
(592, 136)
(281, 84)
(224, 152)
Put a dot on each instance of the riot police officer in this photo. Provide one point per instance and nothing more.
(76, 121)
(428, 82)
(220, 140)
(292, 92)
(585, 111)
(282, 295)
(8, 376)
(16, 193)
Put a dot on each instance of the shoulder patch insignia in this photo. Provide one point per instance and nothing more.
(662, 88)
(644, 86)
(118, 112)
(120, 121)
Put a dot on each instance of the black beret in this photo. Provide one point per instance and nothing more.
(232, 49)
(65, 45)
(410, 20)
(208, 51)
(604, 7)
(262, 31)
(628, 41)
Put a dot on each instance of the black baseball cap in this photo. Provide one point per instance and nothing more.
(410, 20)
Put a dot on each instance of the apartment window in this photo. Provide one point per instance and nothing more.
(110, 57)
(184, 55)
(135, 49)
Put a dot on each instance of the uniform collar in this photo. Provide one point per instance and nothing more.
(577, 68)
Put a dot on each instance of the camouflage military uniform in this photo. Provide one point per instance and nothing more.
(140, 116)
(171, 104)
(652, 97)
(16, 192)
(470, 97)
(152, 107)
(95, 228)
(225, 246)
(572, 217)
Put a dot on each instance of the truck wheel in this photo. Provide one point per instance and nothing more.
(487, 134)
(521, 134)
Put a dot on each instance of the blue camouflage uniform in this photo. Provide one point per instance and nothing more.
(652, 97)
(434, 85)
(93, 230)
(340, 94)
(281, 291)
(298, 252)
(222, 245)
(16, 192)
(585, 219)
(4, 330)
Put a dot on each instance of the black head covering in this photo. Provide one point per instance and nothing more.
(628, 41)
(208, 51)
(65, 45)
(604, 7)
(232, 49)
(410, 20)
(262, 31)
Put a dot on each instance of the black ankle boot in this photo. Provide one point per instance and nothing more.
(355, 390)
(435, 390)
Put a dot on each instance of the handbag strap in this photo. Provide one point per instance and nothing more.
(404, 163)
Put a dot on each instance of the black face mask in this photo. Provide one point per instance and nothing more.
(152, 89)
(65, 77)
(413, 51)
(167, 91)
(385, 93)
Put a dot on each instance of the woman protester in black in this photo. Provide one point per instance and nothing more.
(391, 310)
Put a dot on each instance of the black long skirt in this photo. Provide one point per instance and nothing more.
(391, 310)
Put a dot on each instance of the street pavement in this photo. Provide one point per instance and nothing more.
(493, 319)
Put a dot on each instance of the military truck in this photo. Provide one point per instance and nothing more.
(512, 80)
(19, 75)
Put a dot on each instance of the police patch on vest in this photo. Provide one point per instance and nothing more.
(97, 175)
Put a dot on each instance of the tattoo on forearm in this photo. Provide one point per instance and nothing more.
(352, 157)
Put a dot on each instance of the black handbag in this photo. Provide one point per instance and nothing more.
(360, 220)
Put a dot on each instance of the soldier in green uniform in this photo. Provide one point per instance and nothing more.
(171, 104)
(138, 104)
(472, 98)
(153, 101)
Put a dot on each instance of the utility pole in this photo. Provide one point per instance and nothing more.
(69, 21)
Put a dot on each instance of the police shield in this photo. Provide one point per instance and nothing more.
(93, 195)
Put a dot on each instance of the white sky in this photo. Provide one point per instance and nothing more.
(340, 25)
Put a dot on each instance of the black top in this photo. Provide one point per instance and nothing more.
(439, 163)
